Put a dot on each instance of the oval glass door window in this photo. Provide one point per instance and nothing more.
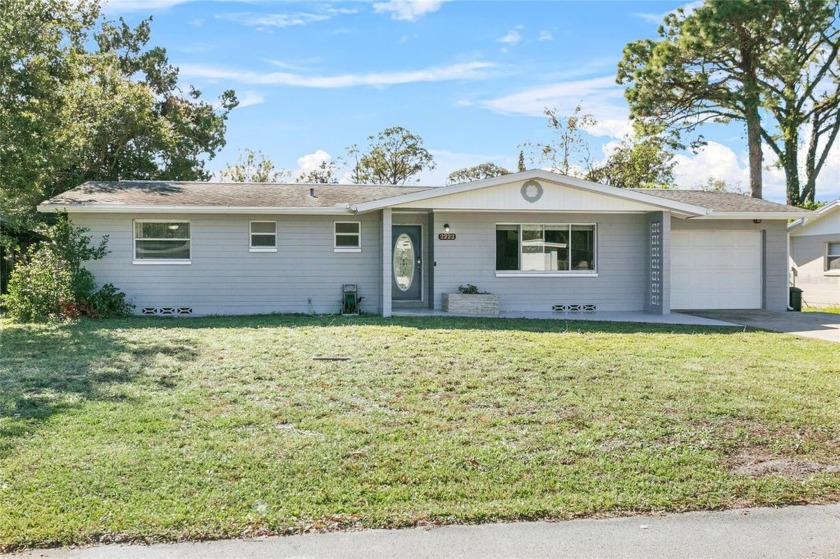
(404, 262)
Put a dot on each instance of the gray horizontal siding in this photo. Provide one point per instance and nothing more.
(808, 253)
(471, 258)
(225, 278)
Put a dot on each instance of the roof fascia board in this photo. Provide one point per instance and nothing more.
(752, 215)
(105, 208)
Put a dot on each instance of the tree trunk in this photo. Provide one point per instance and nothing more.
(754, 145)
(791, 167)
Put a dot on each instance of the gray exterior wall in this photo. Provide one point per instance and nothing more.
(775, 258)
(622, 263)
(819, 287)
(225, 278)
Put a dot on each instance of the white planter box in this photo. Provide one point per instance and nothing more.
(479, 304)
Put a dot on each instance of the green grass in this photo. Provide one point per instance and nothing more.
(154, 430)
(833, 310)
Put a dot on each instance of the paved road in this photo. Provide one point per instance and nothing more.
(819, 325)
(787, 533)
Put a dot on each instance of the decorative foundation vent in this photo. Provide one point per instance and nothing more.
(574, 308)
(166, 311)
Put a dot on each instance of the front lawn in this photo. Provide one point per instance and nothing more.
(153, 429)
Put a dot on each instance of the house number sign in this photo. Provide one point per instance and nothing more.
(446, 236)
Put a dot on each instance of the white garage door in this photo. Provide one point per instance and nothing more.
(715, 269)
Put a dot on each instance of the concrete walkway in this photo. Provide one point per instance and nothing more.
(601, 316)
(787, 533)
(818, 325)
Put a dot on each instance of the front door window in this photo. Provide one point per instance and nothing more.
(404, 262)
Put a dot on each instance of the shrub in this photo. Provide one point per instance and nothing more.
(109, 302)
(52, 282)
(38, 287)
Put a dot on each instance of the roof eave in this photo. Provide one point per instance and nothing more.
(343, 209)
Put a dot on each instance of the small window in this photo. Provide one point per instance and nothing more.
(263, 236)
(832, 257)
(348, 236)
(166, 241)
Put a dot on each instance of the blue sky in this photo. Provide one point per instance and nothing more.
(470, 77)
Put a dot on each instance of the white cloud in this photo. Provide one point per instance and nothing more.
(511, 38)
(407, 10)
(312, 161)
(290, 19)
(463, 71)
(545, 36)
(600, 97)
(714, 161)
(249, 99)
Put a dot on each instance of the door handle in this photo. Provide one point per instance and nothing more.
(418, 262)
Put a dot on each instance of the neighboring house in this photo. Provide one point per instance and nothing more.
(815, 255)
(540, 241)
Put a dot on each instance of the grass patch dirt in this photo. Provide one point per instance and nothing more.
(164, 430)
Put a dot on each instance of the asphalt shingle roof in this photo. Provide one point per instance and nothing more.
(239, 195)
(725, 202)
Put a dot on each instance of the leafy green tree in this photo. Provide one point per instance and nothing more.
(394, 156)
(637, 163)
(476, 173)
(253, 166)
(82, 98)
(568, 153)
(772, 65)
(520, 166)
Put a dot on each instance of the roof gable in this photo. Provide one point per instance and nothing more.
(824, 221)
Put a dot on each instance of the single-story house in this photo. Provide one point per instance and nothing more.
(540, 241)
(815, 255)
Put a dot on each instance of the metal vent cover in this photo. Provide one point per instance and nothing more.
(166, 311)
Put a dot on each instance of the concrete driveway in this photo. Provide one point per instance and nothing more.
(819, 325)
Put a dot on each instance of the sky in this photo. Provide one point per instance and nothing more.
(471, 77)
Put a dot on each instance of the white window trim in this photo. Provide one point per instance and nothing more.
(337, 248)
(251, 247)
(161, 261)
(826, 270)
(593, 273)
(538, 274)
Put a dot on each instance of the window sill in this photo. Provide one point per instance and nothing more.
(262, 250)
(347, 250)
(588, 274)
(832, 273)
(162, 262)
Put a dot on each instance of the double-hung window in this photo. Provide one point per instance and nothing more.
(263, 236)
(348, 236)
(162, 241)
(832, 257)
(544, 248)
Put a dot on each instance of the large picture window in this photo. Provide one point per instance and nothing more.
(545, 248)
(167, 241)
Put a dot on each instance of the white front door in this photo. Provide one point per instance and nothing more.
(716, 269)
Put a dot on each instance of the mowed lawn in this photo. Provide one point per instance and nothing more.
(153, 429)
